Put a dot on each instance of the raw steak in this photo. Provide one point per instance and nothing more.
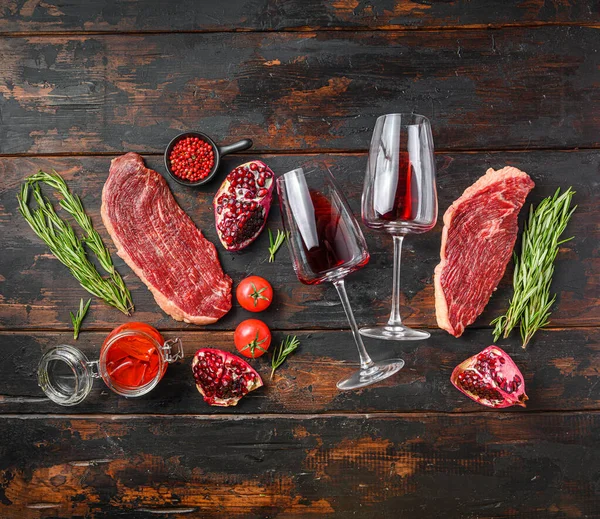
(162, 245)
(480, 229)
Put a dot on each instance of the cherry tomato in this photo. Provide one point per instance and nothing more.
(252, 338)
(254, 294)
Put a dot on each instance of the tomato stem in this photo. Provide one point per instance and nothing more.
(258, 294)
(255, 345)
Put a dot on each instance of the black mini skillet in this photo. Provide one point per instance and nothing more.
(219, 151)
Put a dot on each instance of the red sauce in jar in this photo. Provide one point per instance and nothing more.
(133, 359)
(192, 159)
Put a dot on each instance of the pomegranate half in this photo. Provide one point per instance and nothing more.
(242, 204)
(491, 378)
(223, 378)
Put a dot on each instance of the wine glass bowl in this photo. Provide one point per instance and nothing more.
(399, 198)
(326, 241)
(326, 244)
(399, 194)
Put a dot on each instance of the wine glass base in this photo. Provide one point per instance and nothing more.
(376, 372)
(394, 333)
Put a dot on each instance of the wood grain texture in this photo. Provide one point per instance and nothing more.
(560, 370)
(267, 15)
(411, 446)
(36, 291)
(466, 466)
(519, 88)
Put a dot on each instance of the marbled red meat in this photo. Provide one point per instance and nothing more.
(480, 229)
(162, 245)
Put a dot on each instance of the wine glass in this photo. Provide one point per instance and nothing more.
(326, 244)
(399, 197)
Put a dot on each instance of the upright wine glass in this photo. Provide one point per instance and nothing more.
(399, 197)
(326, 244)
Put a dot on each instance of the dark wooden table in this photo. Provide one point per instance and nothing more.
(503, 83)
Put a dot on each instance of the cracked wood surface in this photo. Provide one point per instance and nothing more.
(425, 465)
(518, 88)
(268, 15)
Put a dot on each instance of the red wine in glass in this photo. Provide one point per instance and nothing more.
(326, 244)
(335, 247)
(399, 197)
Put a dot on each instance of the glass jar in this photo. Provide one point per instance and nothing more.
(133, 359)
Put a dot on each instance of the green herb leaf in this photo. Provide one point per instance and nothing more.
(281, 353)
(275, 243)
(64, 243)
(78, 318)
(529, 307)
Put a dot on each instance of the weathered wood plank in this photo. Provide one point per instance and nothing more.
(560, 370)
(189, 15)
(511, 89)
(510, 465)
(36, 291)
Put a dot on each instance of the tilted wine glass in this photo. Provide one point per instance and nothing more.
(326, 244)
(399, 197)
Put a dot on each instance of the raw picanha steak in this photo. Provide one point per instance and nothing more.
(162, 245)
(480, 229)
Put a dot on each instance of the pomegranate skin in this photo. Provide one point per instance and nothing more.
(242, 204)
(223, 378)
(491, 378)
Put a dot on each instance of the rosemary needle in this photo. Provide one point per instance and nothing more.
(64, 243)
(78, 317)
(529, 307)
(281, 352)
(275, 243)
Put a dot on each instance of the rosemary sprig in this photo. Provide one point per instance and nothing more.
(78, 317)
(64, 243)
(529, 307)
(275, 243)
(281, 352)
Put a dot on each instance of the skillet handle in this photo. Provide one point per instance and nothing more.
(242, 145)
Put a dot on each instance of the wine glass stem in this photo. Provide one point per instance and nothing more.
(365, 360)
(395, 319)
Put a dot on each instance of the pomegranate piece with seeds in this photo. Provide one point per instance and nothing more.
(223, 378)
(491, 378)
(242, 204)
